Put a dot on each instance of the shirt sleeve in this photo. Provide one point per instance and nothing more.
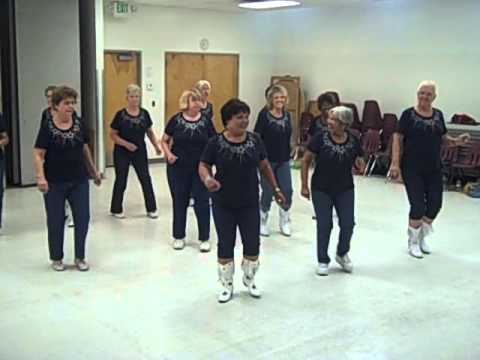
(404, 123)
(148, 119)
(45, 116)
(117, 120)
(442, 120)
(171, 125)
(314, 144)
(43, 138)
(260, 124)
(262, 152)
(209, 154)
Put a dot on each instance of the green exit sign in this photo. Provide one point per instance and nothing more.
(121, 7)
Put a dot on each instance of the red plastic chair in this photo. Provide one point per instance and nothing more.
(390, 122)
(448, 155)
(372, 117)
(464, 119)
(469, 160)
(371, 147)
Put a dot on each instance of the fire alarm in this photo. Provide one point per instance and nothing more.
(204, 44)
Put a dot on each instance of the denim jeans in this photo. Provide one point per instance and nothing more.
(185, 182)
(283, 175)
(344, 205)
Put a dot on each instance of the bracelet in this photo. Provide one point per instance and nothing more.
(277, 190)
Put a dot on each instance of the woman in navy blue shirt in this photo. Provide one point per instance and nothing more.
(185, 137)
(128, 130)
(63, 164)
(416, 158)
(205, 88)
(237, 156)
(335, 152)
(275, 129)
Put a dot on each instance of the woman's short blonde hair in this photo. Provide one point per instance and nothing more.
(134, 89)
(428, 83)
(185, 98)
(276, 89)
(203, 83)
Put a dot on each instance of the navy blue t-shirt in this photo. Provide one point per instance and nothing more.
(132, 128)
(64, 159)
(333, 162)
(189, 138)
(236, 169)
(208, 112)
(422, 139)
(276, 134)
(318, 124)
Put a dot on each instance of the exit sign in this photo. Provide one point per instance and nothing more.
(120, 8)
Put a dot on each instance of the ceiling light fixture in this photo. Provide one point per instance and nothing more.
(267, 4)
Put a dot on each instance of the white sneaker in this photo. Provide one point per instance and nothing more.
(225, 280)
(427, 229)
(322, 269)
(264, 231)
(414, 242)
(250, 268)
(118, 215)
(178, 244)
(58, 265)
(345, 262)
(285, 222)
(205, 246)
(82, 265)
(152, 214)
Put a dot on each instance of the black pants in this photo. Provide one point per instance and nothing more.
(345, 206)
(227, 220)
(185, 182)
(122, 158)
(424, 191)
(77, 195)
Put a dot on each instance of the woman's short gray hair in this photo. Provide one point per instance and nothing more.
(133, 89)
(342, 114)
(430, 84)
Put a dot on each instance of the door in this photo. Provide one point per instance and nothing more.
(120, 69)
(183, 70)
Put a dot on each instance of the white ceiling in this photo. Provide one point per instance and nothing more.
(230, 5)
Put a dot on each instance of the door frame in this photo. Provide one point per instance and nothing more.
(237, 58)
(104, 100)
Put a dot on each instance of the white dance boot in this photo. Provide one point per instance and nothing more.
(225, 280)
(284, 217)
(414, 236)
(264, 231)
(250, 268)
(427, 229)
